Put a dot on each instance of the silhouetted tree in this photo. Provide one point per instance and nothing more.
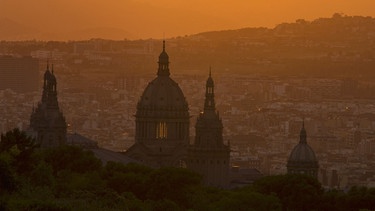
(175, 184)
(18, 147)
(72, 158)
(296, 192)
(127, 178)
(360, 198)
(18, 139)
(7, 182)
(245, 200)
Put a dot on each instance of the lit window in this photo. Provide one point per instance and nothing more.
(161, 130)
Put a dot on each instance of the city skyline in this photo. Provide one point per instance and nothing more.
(284, 121)
(143, 19)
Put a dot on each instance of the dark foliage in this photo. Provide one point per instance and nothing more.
(70, 178)
(129, 178)
(7, 181)
(175, 184)
(71, 158)
(19, 147)
(296, 192)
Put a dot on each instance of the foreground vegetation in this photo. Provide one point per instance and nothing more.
(70, 178)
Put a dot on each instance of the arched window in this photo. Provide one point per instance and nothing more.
(161, 130)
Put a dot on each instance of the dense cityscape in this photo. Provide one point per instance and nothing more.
(268, 82)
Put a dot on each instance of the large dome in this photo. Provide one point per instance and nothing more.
(163, 94)
(161, 121)
(163, 98)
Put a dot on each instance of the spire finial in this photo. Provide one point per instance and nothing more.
(163, 45)
(303, 122)
(52, 68)
(210, 71)
(47, 64)
(303, 132)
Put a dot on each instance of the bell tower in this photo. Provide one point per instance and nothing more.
(209, 156)
(47, 120)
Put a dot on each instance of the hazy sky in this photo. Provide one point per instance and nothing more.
(134, 19)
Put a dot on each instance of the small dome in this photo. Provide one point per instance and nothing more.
(302, 156)
(302, 153)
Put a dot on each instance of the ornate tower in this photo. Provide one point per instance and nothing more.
(47, 120)
(209, 156)
(162, 121)
(302, 160)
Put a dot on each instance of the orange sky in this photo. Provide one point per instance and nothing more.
(118, 19)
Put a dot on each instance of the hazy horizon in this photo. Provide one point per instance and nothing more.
(143, 19)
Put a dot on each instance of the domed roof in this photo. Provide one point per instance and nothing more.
(302, 154)
(162, 92)
(162, 96)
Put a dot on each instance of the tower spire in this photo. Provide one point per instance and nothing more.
(303, 123)
(209, 144)
(302, 135)
(209, 104)
(163, 69)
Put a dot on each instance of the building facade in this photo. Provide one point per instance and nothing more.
(47, 121)
(209, 156)
(162, 121)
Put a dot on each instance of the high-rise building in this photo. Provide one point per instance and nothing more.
(19, 74)
(162, 121)
(302, 159)
(209, 156)
(47, 120)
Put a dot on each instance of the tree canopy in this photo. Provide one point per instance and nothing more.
(71, 178)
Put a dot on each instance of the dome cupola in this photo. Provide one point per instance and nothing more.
(163, 62)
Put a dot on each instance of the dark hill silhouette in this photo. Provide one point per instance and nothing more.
(339, 46)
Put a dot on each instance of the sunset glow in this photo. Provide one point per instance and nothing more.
(134, 19)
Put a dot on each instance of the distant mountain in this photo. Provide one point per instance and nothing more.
(338, 28)
(11, 30)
